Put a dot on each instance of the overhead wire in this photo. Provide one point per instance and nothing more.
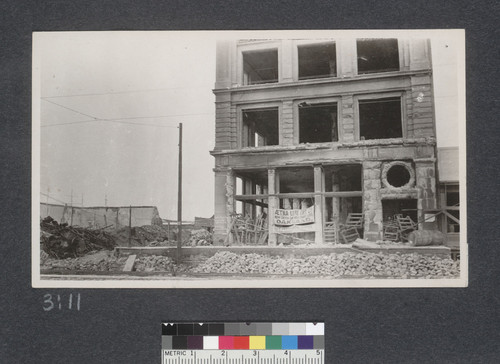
(119, 92)
(119, 120)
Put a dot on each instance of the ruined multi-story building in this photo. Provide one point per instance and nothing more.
(311, 132)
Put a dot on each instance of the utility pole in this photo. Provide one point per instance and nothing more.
(48, 190)
(130, 226)
(71, 223)
(179, 199)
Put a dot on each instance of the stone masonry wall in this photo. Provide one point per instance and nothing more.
(422, 113)
(347, 119)
(372, 202)
(286, 128)
(426, 186)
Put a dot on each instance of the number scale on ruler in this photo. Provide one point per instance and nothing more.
(243, 356)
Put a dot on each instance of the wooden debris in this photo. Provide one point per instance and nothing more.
(129, 264)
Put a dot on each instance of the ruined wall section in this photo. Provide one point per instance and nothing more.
(422, 112)
(225, 124)
(346, 127)
(287, 124)
(372, 202)
(426, 186)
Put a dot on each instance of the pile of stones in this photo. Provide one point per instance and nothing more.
(153, 263)
(101, 263)
(354, 265)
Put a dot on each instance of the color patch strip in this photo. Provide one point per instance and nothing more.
(305, 342)
(210, 342)
(269, 342)
(257, 342)
(273, 342)
(226, 342)
(241, 342)
(289, 342)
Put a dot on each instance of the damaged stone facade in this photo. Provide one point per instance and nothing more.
(293, 133)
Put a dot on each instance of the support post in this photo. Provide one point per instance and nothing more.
(130, 226)
(318, 205)
(272, 204)
(179, 199)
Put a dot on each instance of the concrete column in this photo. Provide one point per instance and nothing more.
(225, 183)
(287, 51)
(273, 203)
(287, 124)
(318, 204)
(426, 187)
(248, 208)
(335, 200)
(372, 201)
(347, 127)
(230, 202)
(346, 56)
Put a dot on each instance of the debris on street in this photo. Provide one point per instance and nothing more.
(63, 241)
(335, 265)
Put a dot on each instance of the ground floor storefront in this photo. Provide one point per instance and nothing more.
(323, 203)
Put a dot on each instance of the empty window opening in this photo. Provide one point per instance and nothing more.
(452, 208)
(404, 207)
(377, 55)
(239, 186)
(398, 176)
(380, 118)
(318, 123)
(260, 67)
(337, 209)
(296, 180)
(318, 60)
(452, 197)
(251, 188)
(343, 178)
(260, 127)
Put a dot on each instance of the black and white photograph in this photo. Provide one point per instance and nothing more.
(249, 159)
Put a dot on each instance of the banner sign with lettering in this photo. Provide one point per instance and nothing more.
(294, 217)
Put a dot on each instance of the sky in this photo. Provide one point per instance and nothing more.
(146, 83)
(109, 104)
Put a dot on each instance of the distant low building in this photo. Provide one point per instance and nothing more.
(99, 217)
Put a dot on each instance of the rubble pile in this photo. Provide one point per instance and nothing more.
(152, 233)
(200, 237)
(335, 265)
(153, 263)
(96, 262)
(62, 241)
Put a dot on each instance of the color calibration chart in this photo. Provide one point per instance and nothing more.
(243, 343)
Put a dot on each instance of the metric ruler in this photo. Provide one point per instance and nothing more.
(243, 343)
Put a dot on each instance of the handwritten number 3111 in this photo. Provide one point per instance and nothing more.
(51, 302)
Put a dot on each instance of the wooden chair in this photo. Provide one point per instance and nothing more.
(355, 220)
(405, 226)
(330, 233)
(349, 234)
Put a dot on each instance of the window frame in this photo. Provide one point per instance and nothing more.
(316, 101)
(455, 187)
(256, 107)
(401, 56)
(308, 43)
(375, 96)
(257, 47)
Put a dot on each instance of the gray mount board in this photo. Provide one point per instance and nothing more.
(362, 325)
